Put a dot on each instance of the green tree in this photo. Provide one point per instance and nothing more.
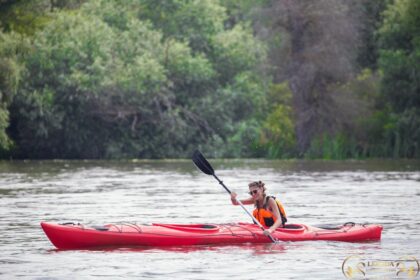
(370, 13)
(277, 133)
(400, 63)
(27, 16)
(195, 22)
(120, 79)
(12, 48)
(52, 114)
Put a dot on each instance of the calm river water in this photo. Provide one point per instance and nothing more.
(99, 192)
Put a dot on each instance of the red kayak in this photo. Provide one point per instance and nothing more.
(77, 236)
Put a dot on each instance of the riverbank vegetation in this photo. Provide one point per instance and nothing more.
(329, 79)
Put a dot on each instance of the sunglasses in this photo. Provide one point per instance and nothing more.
(253, 192)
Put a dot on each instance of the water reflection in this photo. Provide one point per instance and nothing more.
(257, 249)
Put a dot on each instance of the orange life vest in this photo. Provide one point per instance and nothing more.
(265, 217)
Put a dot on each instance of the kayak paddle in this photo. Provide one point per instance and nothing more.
(202, 164)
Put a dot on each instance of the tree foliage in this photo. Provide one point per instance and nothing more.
(152, 78)
(400, 63)
(122, 83)
(12, 49)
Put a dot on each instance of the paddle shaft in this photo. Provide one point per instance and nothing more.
(243, 207)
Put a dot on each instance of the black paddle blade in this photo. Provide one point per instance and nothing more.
(202, 164)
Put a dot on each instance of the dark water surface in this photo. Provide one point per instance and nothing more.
(99, 192)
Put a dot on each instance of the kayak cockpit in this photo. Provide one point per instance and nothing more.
(200, 228)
